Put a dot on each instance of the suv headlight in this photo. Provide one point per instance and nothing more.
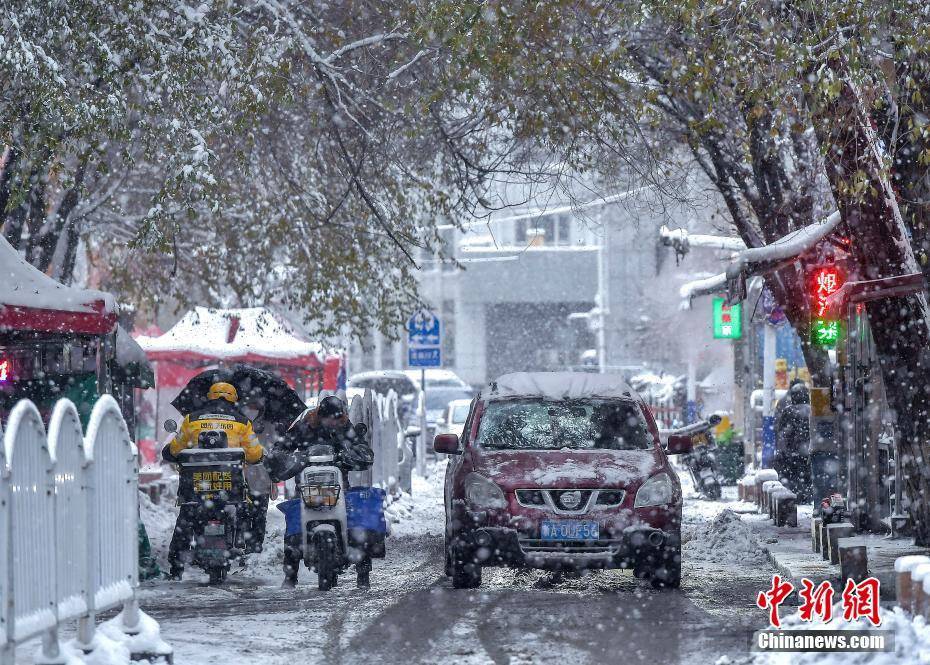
(482, 493)
(657, 491)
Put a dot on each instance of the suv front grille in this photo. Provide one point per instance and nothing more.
(573, 501)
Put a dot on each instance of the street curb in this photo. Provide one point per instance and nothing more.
(792, 557)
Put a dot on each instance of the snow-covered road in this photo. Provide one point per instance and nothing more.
(412, 614)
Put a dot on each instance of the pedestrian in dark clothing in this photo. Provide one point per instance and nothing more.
(793, 442)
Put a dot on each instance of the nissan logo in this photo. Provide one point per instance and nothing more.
(570, 500)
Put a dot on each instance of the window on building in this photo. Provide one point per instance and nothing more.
(554, 229)
(564, 234)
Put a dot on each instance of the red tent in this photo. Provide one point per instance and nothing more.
(205, 337)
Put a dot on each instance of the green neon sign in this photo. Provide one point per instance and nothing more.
(728, 320)
(825, 333)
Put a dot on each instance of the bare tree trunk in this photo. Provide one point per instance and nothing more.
(51, 236)
(880, 246)
(6, 182)
(72, 240)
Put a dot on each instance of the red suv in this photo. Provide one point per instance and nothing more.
(563, 471)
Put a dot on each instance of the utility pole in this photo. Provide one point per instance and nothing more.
(602, 304)
(768, 394)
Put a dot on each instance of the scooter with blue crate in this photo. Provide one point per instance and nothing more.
(340, 526)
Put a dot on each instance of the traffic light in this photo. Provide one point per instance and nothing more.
(826, 327)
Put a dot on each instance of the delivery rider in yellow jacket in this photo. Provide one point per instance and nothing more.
(219, 414)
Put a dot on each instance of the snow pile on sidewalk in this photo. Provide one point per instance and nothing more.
(113, 645)
(727, 539)
(146, 641)
(911, 641)
(420, 512)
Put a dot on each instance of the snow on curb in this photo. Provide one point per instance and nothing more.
(147, 641)
(113, 646)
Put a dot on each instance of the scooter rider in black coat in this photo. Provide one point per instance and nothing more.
(327, 424)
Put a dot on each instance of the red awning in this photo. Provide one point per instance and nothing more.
(184, 356)
(32, 301)
(97, 322)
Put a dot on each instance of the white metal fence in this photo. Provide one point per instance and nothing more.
(393, 462)
(68, 525)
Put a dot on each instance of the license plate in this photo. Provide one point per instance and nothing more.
(569, 530)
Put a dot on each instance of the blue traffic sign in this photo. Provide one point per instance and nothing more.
(424, 357)
(423, 330)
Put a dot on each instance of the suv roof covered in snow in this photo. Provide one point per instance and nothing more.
(558, 386)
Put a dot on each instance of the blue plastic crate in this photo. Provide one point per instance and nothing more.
(365, 509)
(291, 510)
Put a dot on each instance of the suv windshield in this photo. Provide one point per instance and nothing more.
(576, 425)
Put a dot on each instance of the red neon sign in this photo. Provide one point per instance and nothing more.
(6, 370)
(826, 281)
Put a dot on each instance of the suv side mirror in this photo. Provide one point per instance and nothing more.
(171, 425)
(448, 444)
(678, 444)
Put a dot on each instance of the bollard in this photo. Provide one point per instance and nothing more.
(746, 485)
(752, 491)
(824, 542)
(770, 501)
(766, 474)
(786, 508)
(815, 533)
(903, 566)
(834, 533)
(925, 595)
(774, 499)
(918, 597)
(764, 494)
(791, 512)
(854, 563)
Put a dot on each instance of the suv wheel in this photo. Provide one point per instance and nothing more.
(466, 573)
(668, 573)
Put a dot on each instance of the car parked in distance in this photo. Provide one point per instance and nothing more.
(437, 378)
(453, 420)
(437, 402)
(384, 381)
(561, 471)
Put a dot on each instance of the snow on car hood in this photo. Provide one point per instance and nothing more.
(563, 468)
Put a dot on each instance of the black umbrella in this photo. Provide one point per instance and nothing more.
(276, 401)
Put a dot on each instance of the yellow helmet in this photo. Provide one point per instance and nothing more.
(225, 391)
